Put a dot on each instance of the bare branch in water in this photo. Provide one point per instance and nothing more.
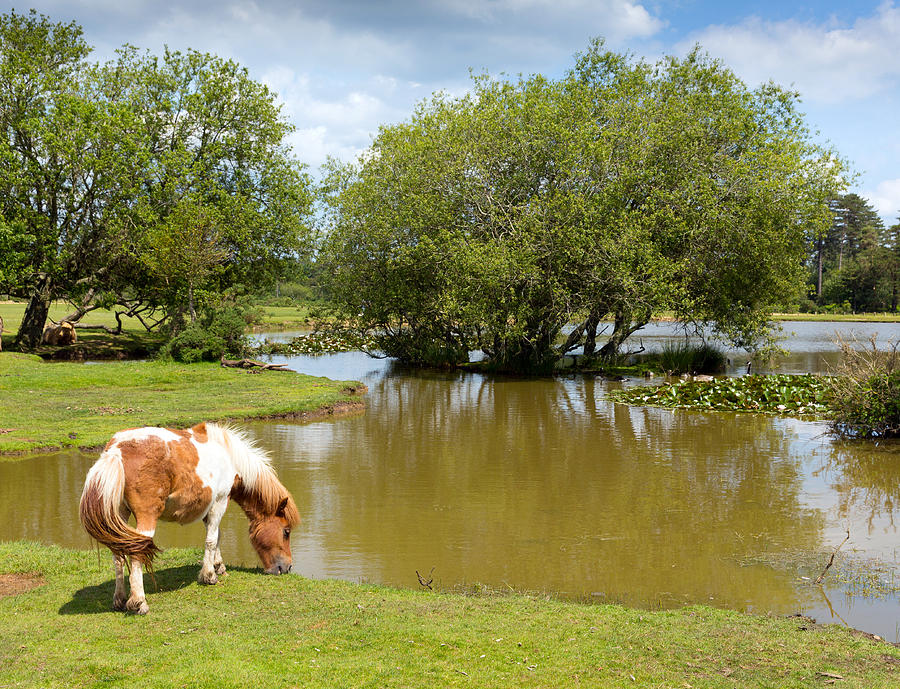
(831, 561)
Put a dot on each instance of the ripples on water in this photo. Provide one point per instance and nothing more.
(545, 485)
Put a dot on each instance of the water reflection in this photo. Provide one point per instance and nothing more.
(545, 485)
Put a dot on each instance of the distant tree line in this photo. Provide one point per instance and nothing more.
(855, 263)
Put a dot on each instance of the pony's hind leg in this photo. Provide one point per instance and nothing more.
(119, 595)
(137, 601)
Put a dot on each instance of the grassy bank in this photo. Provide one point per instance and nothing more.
(839, 317)
(50, 405)
(252, 630)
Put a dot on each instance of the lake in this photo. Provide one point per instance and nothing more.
(545, 485)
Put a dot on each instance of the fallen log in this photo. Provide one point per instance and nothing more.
(252, 363)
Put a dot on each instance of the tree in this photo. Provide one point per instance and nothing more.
(108, 166)
(858, 258)
(492, 220)
(853, 219)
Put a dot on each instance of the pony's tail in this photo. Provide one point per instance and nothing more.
(100, 516)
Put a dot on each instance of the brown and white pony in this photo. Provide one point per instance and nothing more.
(183, 476)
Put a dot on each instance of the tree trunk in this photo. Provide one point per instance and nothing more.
(590, 335)
(819, 290)
(35, 318)
(626, 323)
(191, 309)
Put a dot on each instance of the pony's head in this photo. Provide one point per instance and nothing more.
(270, 535)
(267, 503)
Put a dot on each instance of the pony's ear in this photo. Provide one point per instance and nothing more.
(281, 507)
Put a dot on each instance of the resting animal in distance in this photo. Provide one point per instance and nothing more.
(59, 335)
(183, 476)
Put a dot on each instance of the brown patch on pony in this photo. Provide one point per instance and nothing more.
(199, 432)
(265, 500)
(161, 481)
(14, 584)
(269, 521)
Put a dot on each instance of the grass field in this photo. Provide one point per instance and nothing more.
(252, 630)
(50, 405)
(839, 317)
(134, 336)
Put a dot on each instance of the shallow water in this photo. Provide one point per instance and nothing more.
(546, 485)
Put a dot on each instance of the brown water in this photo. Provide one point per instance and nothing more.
(545, 485)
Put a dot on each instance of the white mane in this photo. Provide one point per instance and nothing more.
(251, 463)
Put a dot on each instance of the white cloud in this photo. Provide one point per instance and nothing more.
(886, 200)
(829, 63)
(616, 19)
(334, 122)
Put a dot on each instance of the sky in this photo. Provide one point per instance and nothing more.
(342, 68)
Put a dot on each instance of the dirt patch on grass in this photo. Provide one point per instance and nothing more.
(14, 584)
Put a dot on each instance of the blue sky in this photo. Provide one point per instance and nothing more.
(342, 68)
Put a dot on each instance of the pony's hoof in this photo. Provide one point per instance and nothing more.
(119, 604)
(208, 578)
(220, 568)
(138, 607)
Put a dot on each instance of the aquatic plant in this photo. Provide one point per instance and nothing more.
(805, 395)
(317, 342)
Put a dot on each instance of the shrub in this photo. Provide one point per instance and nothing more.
(866, 390)
(219, 331)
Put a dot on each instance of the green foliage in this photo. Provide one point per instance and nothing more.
(218, 332)
(805, 395)
(137, 182)
(866, 390)
(855, 266)
(491, 220)
(685, 357)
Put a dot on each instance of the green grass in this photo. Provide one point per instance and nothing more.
(252, 630)
(284, 317)
(50, 405)
(687, 357)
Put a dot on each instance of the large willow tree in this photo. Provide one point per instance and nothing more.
(145, 182)
(493, 220)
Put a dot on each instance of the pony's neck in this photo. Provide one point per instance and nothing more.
(249, 501)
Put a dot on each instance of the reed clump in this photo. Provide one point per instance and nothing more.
(866, 389)
(688, 357)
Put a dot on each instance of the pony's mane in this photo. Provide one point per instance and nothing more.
(253, 466)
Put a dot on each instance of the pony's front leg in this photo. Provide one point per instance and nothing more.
(119, 595)
(212, 557)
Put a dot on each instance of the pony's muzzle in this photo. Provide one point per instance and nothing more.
(279, 568)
